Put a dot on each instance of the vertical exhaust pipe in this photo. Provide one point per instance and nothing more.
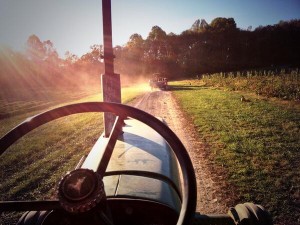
(110, 82)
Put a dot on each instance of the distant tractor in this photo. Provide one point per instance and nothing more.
(158, 82)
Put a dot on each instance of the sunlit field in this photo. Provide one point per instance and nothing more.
(31, 168)
(254, 143)
(233, 93)
(284, 84)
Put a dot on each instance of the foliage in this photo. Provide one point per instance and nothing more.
(205, 48)
(219, 46)
(41, 51)
(223, 24)
(256, 142)
(284, 84)
(41, 67)
(200, 26)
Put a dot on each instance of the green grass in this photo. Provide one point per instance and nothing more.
(284, 86)
(31, 168)
(256, 142)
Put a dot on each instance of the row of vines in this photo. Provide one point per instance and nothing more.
(281, 83)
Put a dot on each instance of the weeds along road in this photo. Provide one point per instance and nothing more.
(162, 104)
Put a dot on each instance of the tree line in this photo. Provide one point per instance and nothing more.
(40, 66)
(204, 48)
(218, 47)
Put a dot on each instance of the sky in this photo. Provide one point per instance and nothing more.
(75, 25)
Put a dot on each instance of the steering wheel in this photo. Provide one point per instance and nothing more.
(189, 194)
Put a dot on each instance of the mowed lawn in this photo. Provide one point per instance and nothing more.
(31, 168)
(256, 142)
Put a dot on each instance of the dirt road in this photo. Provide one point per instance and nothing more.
(163, 104)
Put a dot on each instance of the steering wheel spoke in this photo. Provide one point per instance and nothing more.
(112, 139)
(189, 194)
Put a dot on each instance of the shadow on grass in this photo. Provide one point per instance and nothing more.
(185, 87)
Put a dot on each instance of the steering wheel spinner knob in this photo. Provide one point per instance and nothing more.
(80, 190)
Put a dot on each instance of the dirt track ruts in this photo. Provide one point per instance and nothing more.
(163, 104)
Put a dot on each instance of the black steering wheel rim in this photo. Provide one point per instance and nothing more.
(189, 195)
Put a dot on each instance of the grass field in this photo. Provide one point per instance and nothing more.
(256, 142)
(31, 168)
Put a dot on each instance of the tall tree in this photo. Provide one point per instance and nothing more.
(39, 51)
(94, 56)
(135, 41)
(156, 47)
(223, 24)
(35, 48)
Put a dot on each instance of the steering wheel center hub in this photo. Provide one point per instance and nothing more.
(80, 190)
